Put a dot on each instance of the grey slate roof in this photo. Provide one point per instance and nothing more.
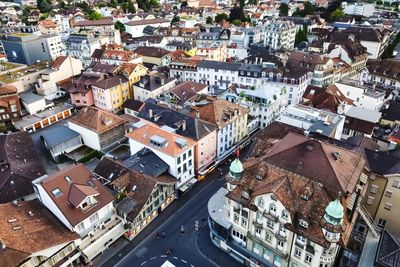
(195, 128)
(211, 64)
(382, 163)
(147, 162)
(57, 135)
(29, 97)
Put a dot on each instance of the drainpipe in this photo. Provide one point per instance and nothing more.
(291, 248)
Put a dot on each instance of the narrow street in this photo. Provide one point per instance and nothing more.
(192, 248)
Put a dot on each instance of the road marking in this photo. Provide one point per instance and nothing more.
(175, 258)
(183, 261)
(143, 263)
(163, 256)
(166, 221)
(191, 265)
(153, 258)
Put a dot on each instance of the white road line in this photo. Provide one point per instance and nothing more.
(165, 222)
(175, 258)
(183, 261)
(143, 263)
(191, 265)
(163, 256)
(153, 258)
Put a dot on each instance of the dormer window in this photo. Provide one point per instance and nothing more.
(68, 179)
(259, 177)
(261, 202)
(285, 214)
(303, 223)
(245, 195)
(305, 197)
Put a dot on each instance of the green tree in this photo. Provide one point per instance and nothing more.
(44, 5)
(220, 17)
(119, 26)
(236, 14)
(61, 4)
(379, 3)
(112, 3)
(242, 3)
(209, 20)
(236, 22)
(175, 19)
(95, 15)
(338, 13)
(283, 9)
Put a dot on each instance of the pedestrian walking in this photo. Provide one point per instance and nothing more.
(163, 234)
(182, 230)
(158, 236)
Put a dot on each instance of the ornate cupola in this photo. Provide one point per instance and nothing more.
(236, 169)
(334, 212)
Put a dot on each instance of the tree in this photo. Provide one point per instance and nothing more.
(236, 13)
(95, 15)
(119, 26)
(237, 22)
(338, 13)
(283, 9)
(220, 17)
(242, 3)
(175, 19)
(44, 5)
(61, 4)
(184, 4)
(209, 20)
(379, 3)
(301, 35)
(112, 3)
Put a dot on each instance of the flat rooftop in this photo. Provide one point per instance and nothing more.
(14, 75)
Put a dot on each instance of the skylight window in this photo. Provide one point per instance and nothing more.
(56, 192)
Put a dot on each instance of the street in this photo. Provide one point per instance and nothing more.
(192, 248)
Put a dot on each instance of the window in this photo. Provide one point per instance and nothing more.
(396, 183)
(270, 224)
(373, 189)
(277, 260)
(388, 193)
(308, 258)
(179, 160)
(303, 223)
(297, 252)
(285, 214)
(56, 192)
(388, 206)
(267, 254)
(184, 156)
(261, 202)
(258, 232)
(179, 170)
(268, 237)
(81, 227)
(370, 200)
(257, 248)
(244, 222)
(301, 239)
(94, 218)
(280, 245)
(235, 217)
(190, 153)
(272, 208)
(382, 222)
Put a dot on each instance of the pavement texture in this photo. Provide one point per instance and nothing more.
(191, 248)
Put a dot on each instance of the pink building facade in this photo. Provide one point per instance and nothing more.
(81, 99)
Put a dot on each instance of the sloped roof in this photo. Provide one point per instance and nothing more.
(184, 91)
(19, 166)
(336, 168)
(330, 99)
(382, 163)
(108, 83)
(39, 231)
(57, 135)
(99, 22)
(56, 64)
(146, 132)
(73, 190)
(97, 120)
(392, 113)
(388, 68)
(6, 89)
(47, 23)
(217, 111)
(79, 192)
(195, 127)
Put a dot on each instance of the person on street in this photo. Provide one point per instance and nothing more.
(182, 230)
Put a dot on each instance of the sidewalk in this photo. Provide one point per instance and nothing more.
(118, 251)
(209, 250)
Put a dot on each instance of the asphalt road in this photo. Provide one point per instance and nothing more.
(192, 248)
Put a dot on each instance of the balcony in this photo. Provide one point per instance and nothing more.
(273, 216)
(281, 236)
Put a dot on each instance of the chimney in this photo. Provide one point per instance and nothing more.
(184, 125)
(150, 113)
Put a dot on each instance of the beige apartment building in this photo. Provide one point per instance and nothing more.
(382, 199)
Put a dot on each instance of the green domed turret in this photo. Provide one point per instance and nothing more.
(334, 212)
(236, 169)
